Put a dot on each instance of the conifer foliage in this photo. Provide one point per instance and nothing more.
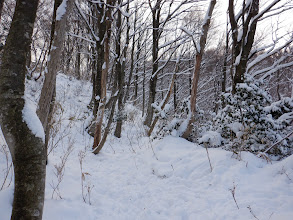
(250, 121)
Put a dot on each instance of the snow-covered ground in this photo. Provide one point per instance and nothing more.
(136, 178)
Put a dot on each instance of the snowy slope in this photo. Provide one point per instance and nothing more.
(137, 178)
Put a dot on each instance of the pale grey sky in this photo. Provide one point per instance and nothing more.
(283, 21)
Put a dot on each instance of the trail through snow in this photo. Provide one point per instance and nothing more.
(137, 178)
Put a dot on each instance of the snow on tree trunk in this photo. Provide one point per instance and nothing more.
(27, 149)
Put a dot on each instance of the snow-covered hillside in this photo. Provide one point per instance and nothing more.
(135, 177)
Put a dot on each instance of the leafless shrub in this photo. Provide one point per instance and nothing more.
(57, 132)
(232, 190)
(86, 186)
(283, 171)
(250, 210)
(60, 171)
(7, 174)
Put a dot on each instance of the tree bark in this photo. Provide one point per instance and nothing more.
(101, 110)
(164, 102)
(120, 68)
(131, 58)
(1, 7)
(107, 129)
(196, 73)
(53, 66)
(138, 49)
(47, 98)
(27, 150)
(98, 11)
(78, 51)
(242, 45)
(175, 94)
(143, 81)
(155, 51)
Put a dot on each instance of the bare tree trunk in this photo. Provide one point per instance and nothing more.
(46, 102)
(224, 70)
(78, 51)
(77, 63)
(47, 128)
(153, 81)
(94, 74)
(198, 59)
(138, 49)
(189, 78)
(164, 102)
(107, 129)
(121, 69)
(105, 68)
(131, 59)
(101, 27)
(143, 84)
(53, 66)
(68, 50)
(242, 45)
(1, 7)
(27, 150)
(175, 94)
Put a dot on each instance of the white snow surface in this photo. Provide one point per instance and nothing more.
(29, 114)
(61, 10)
(135, 177)
(104, 66)
(213, 138)
(237, 128)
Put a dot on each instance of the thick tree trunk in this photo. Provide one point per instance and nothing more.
(155, 52)
(46, 102)
(101, 27)
(119, 72)
(53, 66)
(107, 129)
(27, 150)
(196, 73)
(47, 128)
(193, 95)
(98, 132)
(120, 68)
(242, 44)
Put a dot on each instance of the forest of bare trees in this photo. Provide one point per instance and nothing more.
(190, 72)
